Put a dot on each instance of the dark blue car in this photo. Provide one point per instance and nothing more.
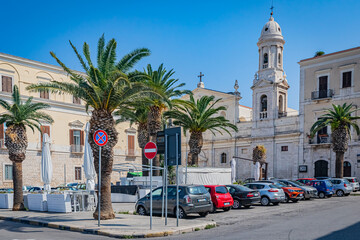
(324, 187)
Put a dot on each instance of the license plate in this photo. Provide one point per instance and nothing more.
(225, 204)
(300, 195)
(256, 194)
(202, 200)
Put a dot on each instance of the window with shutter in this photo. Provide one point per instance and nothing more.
(2, 136)
(131, 145)
(346, 81)
(76, 100)
(8, 172)
(6, 84)
(77, 173)
(44, 94)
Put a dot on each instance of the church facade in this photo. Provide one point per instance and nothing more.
(270, 122)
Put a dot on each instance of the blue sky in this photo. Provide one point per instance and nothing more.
(217, 38)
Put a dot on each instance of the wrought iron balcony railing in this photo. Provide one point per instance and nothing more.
(263, 115)
(76, 148)
(321, 139)
(322, 94)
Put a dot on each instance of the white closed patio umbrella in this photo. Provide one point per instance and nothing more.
(89, 168)
(257, 171)
(233, 170)
(46, 164)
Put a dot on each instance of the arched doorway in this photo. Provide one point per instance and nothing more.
(347, 169)
(321, 168)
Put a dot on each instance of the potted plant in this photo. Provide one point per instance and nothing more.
(37, 201)
(59, 202)
(6, 199)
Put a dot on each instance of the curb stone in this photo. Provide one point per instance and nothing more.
(104, 233)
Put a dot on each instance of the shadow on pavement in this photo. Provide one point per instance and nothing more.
(349, 233)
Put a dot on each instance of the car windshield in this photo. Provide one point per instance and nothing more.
(297, 183)
(279, 185)
(198, 190)
(221, 189)
(274, 186)
(243, 188)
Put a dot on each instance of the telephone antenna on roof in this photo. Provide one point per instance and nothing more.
(272, 7)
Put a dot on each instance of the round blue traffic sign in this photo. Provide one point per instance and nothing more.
(100, 138)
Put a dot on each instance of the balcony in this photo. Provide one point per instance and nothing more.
(263, 115)
(282, 114)
(76, 148)
(321, 139)
(316, 95)
(265, 65)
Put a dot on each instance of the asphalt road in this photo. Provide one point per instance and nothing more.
(330, 219)
(18, 231)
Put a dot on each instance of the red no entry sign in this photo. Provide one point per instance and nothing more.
(150, 150)
(100, 138)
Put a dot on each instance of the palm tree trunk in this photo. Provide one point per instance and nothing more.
(18, 187)
(195, 144)
(154, 125)
(339, 165)
(103, 120)
(16, 142)
(143, 138)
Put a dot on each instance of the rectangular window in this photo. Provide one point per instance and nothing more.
(346, 79)
(2, 136)
(284, 148)
(6, 84)
(8, 172)
(77, 173)
(244, 151)
(44, 94)
(131, 145)
(44, 129)
(76, 100)
(76, 140)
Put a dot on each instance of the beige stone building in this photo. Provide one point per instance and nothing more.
(66, 133)
(325, 80)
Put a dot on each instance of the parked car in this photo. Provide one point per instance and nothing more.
(305, 181)
(341, 186)
(324, 187)
(293, 194)
(192, 199)
(309, 192)
(354, 183)
(36, 189)
(269, 193)
(220, 197)
(243, 196)
(72, 184)
(249, 180)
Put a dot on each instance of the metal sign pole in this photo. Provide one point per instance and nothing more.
(177, 182)
(166, 182)
(163, 195)
(99, 187)
(151, 203)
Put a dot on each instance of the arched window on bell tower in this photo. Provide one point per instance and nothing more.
(263, 106)
(279, 60)
(266, 61)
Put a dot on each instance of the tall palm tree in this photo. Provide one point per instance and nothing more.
(107, 85)
(197, 117)
(340, 120)
(162, 83)
(17, 117)
(138, 115)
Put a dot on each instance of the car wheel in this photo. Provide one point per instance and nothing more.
(295, 200)
(236, 204)
(275, 203)
(141, 211)
(203, 214)
(287, 198)
(321, 195)
(182, 213)
(340, 193)
(226, 209)
(265, 201)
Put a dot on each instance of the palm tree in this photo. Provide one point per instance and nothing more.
(160, 82)
(197, 117)
(17, 117)
(340, 120)
(137, 115)
(106, 86)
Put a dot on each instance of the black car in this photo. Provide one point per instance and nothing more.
(243, 196)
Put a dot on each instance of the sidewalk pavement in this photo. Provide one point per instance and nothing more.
(355, 193)
(123, 226)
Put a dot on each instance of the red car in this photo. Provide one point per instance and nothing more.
(306, 181)
(220, 197)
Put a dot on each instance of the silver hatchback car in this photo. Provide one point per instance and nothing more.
(269, 193)
(341, 186)
(354, 183)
